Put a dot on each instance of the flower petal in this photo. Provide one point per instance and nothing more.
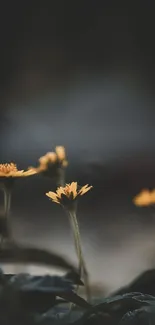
(56, 201)
(60, 190)
(43, 160)
(143, 198)
(29, 172)
(2, 174)
(84, 189)
(51, 157)
(60, 151)
(52, 195)
(73, 189)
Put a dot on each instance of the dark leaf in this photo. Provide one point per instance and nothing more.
(46, 284)
(144, 283)
(120, 304)
(112, 309)
(74, 298)
(74, 277)
(39, 293)
(25, 255)
(142, 316)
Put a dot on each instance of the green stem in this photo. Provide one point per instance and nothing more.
(77, 240)
(7, 206)
(7, 202)
(60, 177)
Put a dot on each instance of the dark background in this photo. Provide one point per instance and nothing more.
(81, 74)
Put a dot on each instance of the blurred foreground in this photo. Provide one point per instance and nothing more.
(112, 264)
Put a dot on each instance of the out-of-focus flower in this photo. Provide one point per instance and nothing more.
(145, 198)
(46, 161)
(11, 170)
(61, 155)
(67, 194)
(52, 161)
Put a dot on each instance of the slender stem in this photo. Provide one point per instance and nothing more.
(7, 206)
(1, 235)
(7, 202)
(77, 240)
(60, 177)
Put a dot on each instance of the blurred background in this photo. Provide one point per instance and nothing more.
(81, 74)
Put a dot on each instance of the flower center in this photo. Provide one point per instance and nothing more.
(67, 191)
(7, 168)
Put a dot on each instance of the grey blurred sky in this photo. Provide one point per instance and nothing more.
(97, 119)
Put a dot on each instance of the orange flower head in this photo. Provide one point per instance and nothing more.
(51, 161)
(144, 198)
(10, 170)
(68, 194)
(47, 160)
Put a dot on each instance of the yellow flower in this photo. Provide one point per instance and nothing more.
(45, 161)
(51, 161)
(11, 171)
(68, 193)
(145, 198)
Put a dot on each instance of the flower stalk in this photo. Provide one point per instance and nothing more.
(5, 222)
(77, 240)
(60, 177)
(7, 207)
